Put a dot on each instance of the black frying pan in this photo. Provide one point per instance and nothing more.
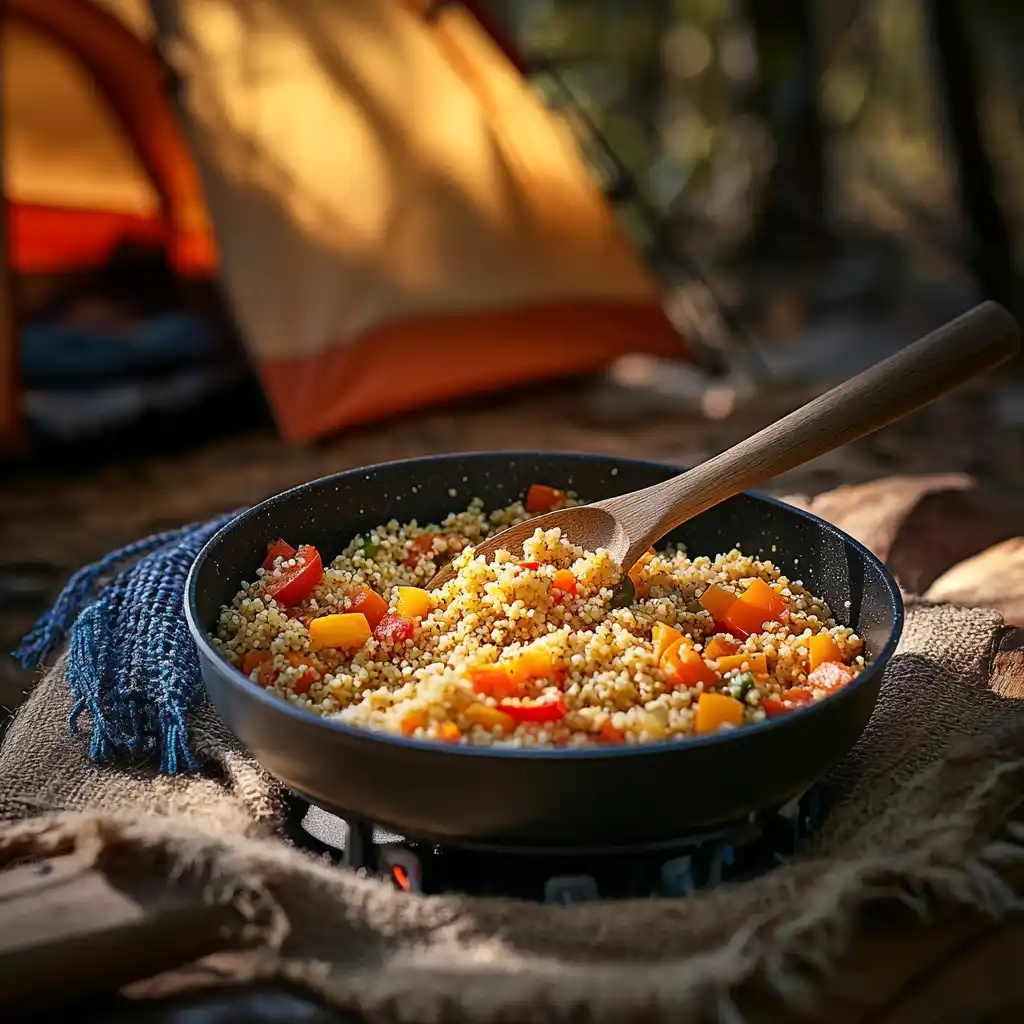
(542, 797)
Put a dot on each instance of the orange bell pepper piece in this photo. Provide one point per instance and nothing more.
(822, 648)
(715, 710)
(564, 581)
(449, 732)
(756, 663)
(493, 681)
(717, 600)
(718, 647)
(489, 718)
(412, 720)
(663, 636)
(685, 667)
(757, 605)
(346, 631)
(253, 660)
(369, 603)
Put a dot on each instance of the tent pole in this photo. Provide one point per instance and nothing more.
(11, 436)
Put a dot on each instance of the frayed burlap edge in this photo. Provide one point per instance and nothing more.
(364, 948)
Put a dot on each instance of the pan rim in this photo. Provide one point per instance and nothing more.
(242, 684)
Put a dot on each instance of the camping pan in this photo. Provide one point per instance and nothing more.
(534, 798)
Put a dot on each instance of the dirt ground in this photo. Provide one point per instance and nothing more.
(54, 520)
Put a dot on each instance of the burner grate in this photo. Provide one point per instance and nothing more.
(672, 869)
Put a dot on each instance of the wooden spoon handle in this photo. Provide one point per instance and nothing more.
(916, 375)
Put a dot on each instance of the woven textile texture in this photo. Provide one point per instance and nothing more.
(131, 661)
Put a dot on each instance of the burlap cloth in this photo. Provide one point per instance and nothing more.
(921, 811)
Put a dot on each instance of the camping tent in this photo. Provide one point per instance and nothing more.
(394, 215)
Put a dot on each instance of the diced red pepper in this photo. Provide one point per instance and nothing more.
(830, 675)
(541, 498)
(554, 711)
(564, 581)
(277, 549)
(532, 566)
(418, 549)
(394, 628)
(370, 603)
(298, 583)
(792, 700)
(797, 695)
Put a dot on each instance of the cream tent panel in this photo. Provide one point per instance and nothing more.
(361, 167)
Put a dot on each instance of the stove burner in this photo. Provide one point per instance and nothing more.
(672, 868)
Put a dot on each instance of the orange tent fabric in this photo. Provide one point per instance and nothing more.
(394, 215)
(77, 81)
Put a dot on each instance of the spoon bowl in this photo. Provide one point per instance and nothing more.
(595, 524)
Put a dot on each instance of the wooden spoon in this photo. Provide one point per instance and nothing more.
(628, 525)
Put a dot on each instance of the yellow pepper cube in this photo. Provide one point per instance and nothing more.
(347, 631)
(414, 602)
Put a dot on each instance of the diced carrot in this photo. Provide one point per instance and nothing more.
(253, 660)
(493, 681)
(449, 732)
(541, 498)
(299, 660)
(756, 663)
(663, 636)
(370, 603)
(773, 707)
(413, 602)
(266, 673)
(412, 720)
(533, 662)
(346, 631)
(718, 647)
(830, 675)
(717, 600)
(565, 581)
(715, 710)
(822, 648)
(685, 667)
(610, 734)
(277, 549)
(489, 718)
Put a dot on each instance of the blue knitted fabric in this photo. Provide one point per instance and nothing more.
(131, 661)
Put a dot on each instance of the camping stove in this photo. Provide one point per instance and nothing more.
(673, 868)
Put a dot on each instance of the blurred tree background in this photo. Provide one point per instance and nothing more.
(852, 152)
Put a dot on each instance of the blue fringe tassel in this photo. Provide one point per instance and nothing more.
(131, 661)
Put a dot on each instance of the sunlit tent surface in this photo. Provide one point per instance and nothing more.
(394, 215)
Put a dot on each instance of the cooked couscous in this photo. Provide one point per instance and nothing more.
(550, 647)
